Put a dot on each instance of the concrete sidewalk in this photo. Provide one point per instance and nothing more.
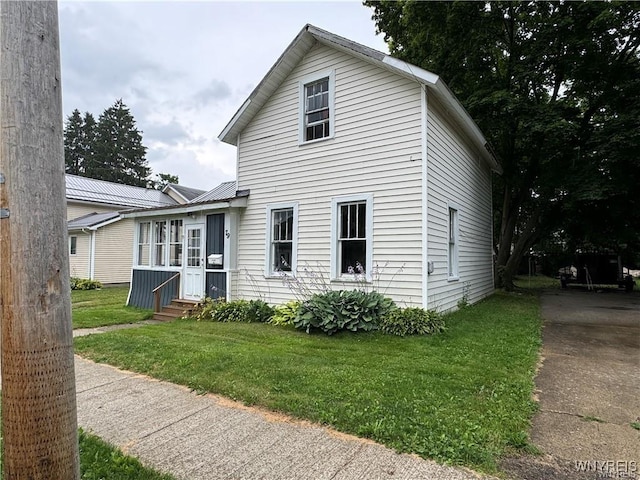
(206, 437)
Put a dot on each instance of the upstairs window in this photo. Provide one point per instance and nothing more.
(316, 107)
(316, 110)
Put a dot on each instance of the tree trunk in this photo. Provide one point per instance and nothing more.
(39, 424)
(525, 241)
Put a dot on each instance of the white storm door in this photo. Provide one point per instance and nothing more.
(193, 282)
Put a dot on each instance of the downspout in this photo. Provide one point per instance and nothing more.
(425, 197)
(92, 256)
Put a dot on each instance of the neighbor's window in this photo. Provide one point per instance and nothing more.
(144, 243)
(73, 245)
(160, 238)
(175, 243)
(453, 242)
(353, 235)
(317, 108)
(281, 238)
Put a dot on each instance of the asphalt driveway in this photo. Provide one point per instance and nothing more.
(588, 387)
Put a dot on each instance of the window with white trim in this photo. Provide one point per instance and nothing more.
(282, 226)
(160, 239)
(144, 243)
(352, 233)
(73, 245)
(316, 107)
(453, 242)
(175, 243)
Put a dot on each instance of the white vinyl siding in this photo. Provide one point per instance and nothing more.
(376, 148)
(76, 210)
(458, 178)
(112, 256)
(79, 263)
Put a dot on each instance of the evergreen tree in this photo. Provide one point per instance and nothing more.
(162, 180)
(73, 144)
(89, 131)
(120, 156)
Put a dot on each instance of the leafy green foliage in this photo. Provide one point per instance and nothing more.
(555, 88)
(285, 314)
(412, 321)
(235, 311)
(336, 310)
(84, 284)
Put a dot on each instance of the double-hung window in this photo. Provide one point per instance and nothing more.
(160, 239)
(73, 245)
(453, 243)
(316, 107)
(175, 243)
(282, 226)
(352, 232)
(144, 243)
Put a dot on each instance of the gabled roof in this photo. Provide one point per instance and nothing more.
(92, 221)
(221, 192)
(185, 193)
(99, 191)
(311, 35)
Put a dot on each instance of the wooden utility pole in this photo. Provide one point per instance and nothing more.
(39, 424)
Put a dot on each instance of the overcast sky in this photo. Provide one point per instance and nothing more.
(184, 68)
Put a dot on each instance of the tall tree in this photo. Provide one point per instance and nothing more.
(545, 81)
(79, 144)
(120, 155)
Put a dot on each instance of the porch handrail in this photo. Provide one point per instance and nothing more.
(156, 292)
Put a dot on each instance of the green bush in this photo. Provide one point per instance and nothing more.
(337, 310)
(235, 311)
(412, 321)
(285, 314)
(258, 311)
(84, 284)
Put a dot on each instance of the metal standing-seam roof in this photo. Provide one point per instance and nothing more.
(92, 220)
(222, 192)
(306, 39)
(99, 191)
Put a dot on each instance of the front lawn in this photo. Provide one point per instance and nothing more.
(98, 308)
(462, 397)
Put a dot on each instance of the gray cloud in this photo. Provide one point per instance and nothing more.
(216, 91)
(171, 133)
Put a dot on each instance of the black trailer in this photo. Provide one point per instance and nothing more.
(597, 269)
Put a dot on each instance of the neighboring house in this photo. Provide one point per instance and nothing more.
(354, 160)
(100, 240)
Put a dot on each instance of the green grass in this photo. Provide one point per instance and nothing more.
(98, 308)
(462, 397)
(536, 282)
(100, 461)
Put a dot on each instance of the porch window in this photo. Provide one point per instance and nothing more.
(160, 238)
(175, 243)
(282, 226)
(453, 243)
(144, 230)
(352, 235)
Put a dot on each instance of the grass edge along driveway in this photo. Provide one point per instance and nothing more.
(463, 397)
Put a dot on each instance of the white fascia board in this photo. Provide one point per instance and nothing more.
(234, 203)
(223, 135)
(417, 73)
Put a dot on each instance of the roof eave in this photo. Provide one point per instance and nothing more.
(183, 209)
